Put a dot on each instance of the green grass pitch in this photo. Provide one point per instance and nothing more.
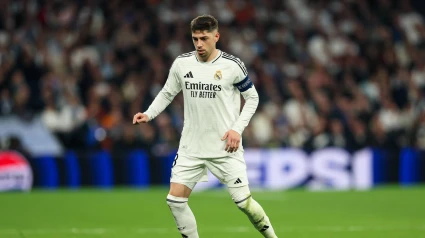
(388, 212)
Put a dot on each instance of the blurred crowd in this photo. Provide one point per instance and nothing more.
(347, 73)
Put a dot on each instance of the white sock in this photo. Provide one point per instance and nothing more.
(185, 220)
(253, 210)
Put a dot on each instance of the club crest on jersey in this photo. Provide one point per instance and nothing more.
(218, 75)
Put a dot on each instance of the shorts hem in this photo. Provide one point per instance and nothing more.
(187, 181)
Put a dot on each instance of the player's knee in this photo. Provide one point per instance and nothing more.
(243, 204)
(176, 202)
(241, 196)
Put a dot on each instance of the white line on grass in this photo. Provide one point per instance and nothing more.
(154, 230)
(238, 229)
(91, 231)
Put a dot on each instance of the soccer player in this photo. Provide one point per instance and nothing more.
(212, 82)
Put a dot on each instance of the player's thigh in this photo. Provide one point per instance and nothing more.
(187, 171)
(229, 170)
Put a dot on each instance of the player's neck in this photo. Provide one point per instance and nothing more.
(210, 57)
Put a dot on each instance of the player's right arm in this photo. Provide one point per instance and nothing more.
(171, 88)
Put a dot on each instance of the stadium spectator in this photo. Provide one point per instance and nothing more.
(329, 73)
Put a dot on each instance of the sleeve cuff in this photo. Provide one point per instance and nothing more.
(238, 130)
(148, 114)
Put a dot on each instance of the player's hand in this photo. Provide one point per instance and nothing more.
(233, 140)
(140, 118)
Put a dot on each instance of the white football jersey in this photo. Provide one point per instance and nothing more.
(211, 92)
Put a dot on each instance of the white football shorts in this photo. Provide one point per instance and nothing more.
(230, 170)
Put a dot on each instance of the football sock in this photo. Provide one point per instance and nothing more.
(243, 199)
(185, 220)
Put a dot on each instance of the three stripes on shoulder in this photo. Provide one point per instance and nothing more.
(224, 55)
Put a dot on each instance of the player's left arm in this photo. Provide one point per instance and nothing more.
(246, 87)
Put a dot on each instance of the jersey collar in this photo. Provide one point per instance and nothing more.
(212, 61)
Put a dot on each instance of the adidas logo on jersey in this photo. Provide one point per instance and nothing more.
(238, 181)
(189, 75)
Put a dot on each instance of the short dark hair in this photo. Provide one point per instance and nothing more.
(204, 23)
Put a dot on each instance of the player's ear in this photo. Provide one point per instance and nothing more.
(217, 36)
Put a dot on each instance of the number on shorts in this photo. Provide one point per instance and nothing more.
(175, 160)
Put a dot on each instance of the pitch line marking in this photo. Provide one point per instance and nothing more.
(237, 229)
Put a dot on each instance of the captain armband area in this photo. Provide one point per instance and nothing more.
(244, 84)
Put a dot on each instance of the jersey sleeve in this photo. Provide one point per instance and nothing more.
(171, 88)
(244, 84)
(241, 78)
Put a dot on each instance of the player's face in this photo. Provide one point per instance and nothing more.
(205, 42)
